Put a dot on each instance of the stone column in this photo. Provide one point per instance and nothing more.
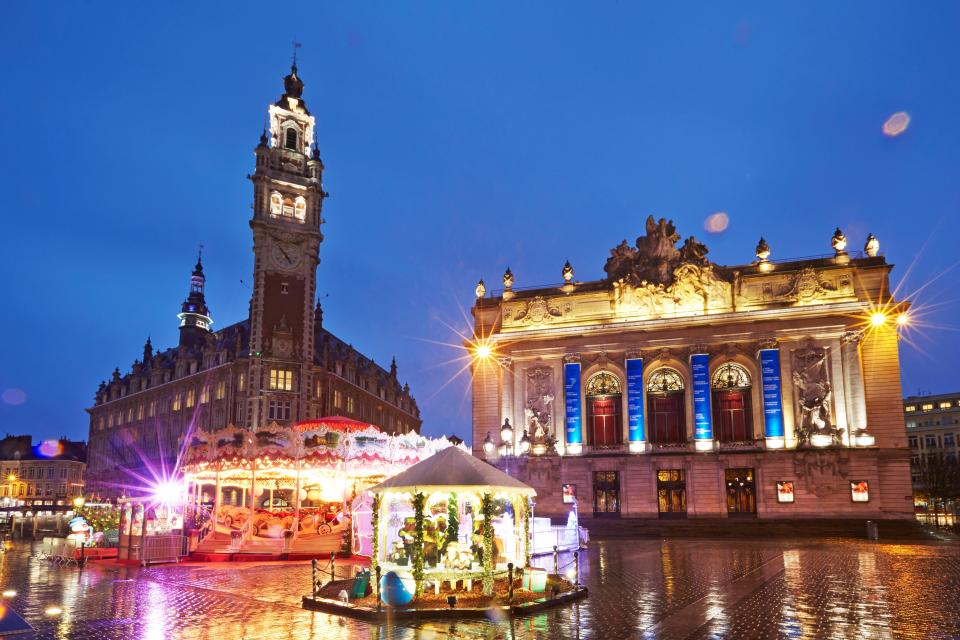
(853, 384)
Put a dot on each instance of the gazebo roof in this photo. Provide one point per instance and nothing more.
(453, 469)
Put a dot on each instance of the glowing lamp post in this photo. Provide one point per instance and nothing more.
(489, 448)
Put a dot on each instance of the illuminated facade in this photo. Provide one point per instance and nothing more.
(279, 365)
(40, 478)
(676, 387)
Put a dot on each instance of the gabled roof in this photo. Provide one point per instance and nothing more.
(453, 469)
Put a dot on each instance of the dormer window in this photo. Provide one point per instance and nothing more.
(290, 141)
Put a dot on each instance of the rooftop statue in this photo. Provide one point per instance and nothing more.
(655, 256)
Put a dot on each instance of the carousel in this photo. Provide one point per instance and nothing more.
(293, 489)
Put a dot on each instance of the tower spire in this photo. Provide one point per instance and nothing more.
(194, 315)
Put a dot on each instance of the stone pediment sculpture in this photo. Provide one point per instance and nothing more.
(656, 278)
(537, 311)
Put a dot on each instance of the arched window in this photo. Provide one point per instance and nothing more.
(732, 403)
(290, 141)
(666, 407)
(276, 204)
(603, 409)
(288, 207)
(300, 208)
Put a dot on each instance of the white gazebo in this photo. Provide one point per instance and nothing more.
(452, 518)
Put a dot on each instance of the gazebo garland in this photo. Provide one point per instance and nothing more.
(453, 521)
(377, 499)
(526, 530)
(418, 501)
(486, 509)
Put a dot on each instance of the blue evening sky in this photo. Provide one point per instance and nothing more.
(459, 138)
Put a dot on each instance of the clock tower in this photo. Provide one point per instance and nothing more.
(287, 203)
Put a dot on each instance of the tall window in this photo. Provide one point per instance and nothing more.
(667, 414)
(276, 204)
(300, 208)
(337, 399)
(291, 138)
(350, 404)
(281, 380)
(278, 410)
(221, 390)
(205, 394)
(177, 399)
(732, 403)
(241, 381)
(191, 397)
(152, 408)
(603, 393)
(140, 411)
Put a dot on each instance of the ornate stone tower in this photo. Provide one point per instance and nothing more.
(194, 316)
(287, 202)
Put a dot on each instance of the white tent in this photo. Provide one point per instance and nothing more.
(453, 469)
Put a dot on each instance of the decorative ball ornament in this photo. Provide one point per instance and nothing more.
(872, 248)
(397, 589)
(763, 250)
(481, 289)
(508, 279)
(839, 241)
(567, 272)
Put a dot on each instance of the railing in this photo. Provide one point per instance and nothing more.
(161, 549)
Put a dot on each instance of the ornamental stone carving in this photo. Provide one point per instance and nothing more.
(808, 286)
(537, 311)
(823, 472)
(813, 394)
(538, 403)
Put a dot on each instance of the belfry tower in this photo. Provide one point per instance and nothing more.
(287, 202)
(195, 320)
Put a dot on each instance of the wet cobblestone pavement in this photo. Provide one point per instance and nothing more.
(638, 589)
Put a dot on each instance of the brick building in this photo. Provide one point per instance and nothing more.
(676, 387)
(280, 364)
(40, 478)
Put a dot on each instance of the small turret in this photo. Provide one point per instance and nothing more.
(393, 368)
(147, 351)
(194, 316)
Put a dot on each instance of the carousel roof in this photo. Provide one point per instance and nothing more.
(453, 468)
(338, 423)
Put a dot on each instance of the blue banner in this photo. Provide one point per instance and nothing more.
(700, 369)
(571, 392)
(772, 402)
(635, 399)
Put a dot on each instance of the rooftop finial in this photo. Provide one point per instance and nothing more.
(293, 58)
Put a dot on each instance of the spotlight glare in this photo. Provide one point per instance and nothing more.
(168, 493)
(878, 318)
(903, 320)
(53, 611)
(484, 351)
(9, 593)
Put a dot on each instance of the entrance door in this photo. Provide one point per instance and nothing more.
(606, 494)
(741, 492)
(672, 493)
(733, 415)
(668, 425)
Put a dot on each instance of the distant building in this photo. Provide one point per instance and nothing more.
(678, 387)
(40, 478)
(933, 425)
(279, 365)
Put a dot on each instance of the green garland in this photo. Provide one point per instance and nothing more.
(453, 522)
(526, 530)
(486, 510)
(101, 518)
(377, 498)
(418, 502)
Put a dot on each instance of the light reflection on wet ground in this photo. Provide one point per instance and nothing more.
(638, 588)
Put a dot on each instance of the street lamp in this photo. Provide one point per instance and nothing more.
(506, 435)
(524, 442)
(489, 448)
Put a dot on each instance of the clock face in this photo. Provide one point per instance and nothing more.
(285, 256)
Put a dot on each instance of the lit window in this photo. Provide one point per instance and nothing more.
(152, 408)
(129, 414)
(910, 408)
(221, 390)
(291, 139)
(240, 382)
(276, 203)
(318, 389)
(177, 399)
(300, 208)
(946, 404)
(927, 406)
(140, 412)
(337, 398)
(191, 397)
(109, 420)
(205, 394)
(288, 207)
(281, 380)
(350, 404)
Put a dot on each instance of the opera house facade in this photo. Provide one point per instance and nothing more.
(676, 387)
